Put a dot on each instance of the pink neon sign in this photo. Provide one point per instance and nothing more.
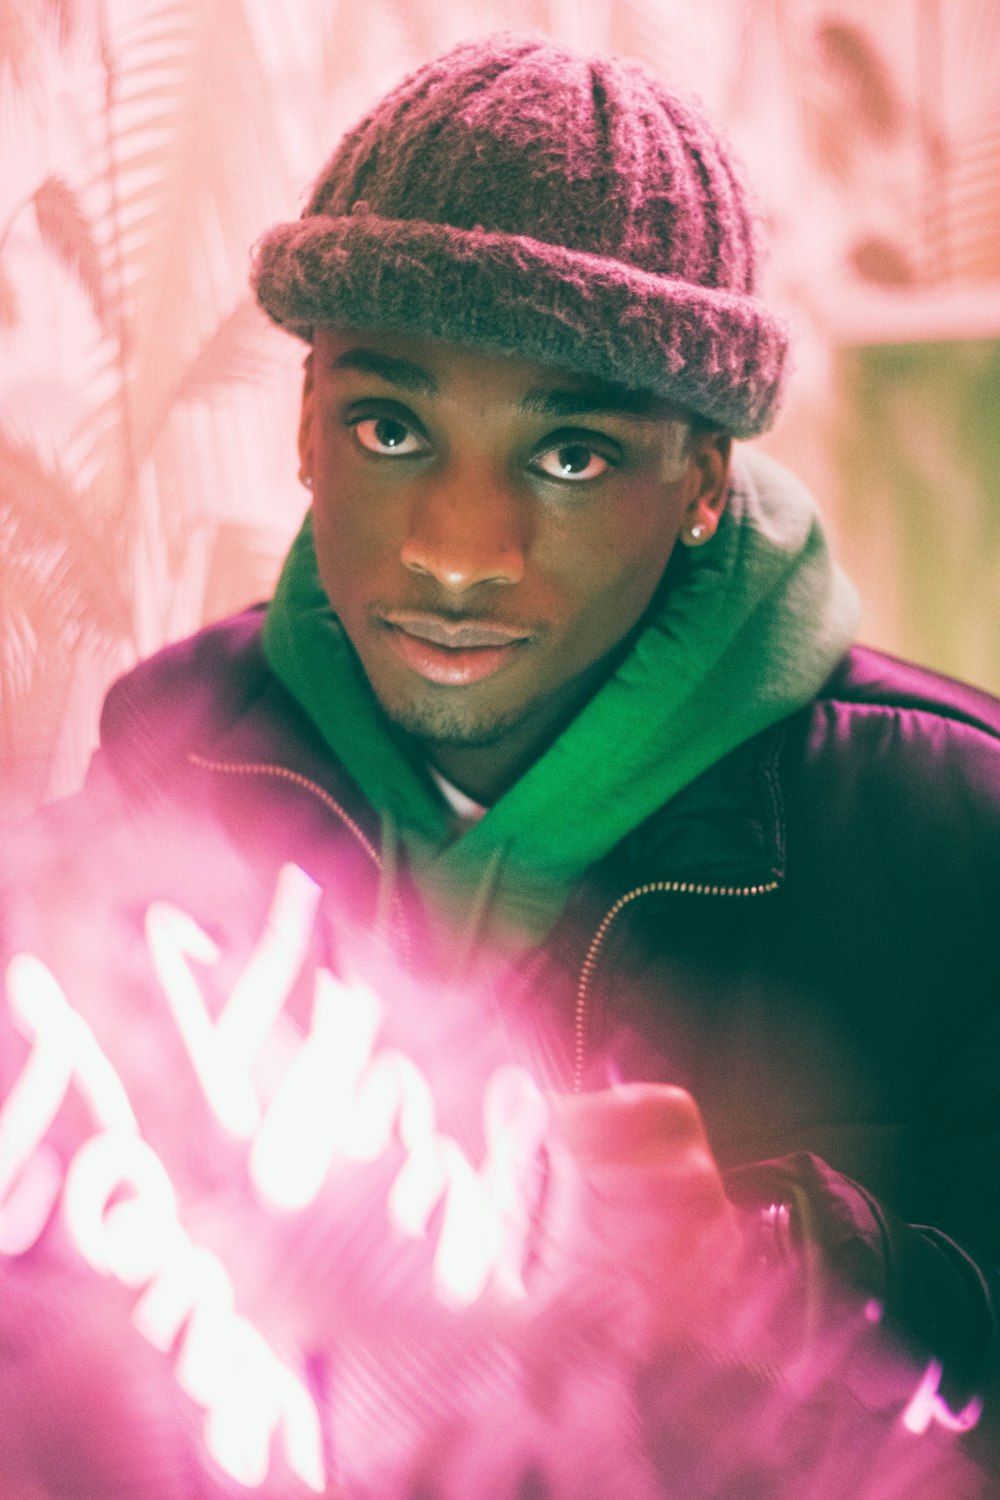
(926, 1407)
(339, 1098)
(293, 1106)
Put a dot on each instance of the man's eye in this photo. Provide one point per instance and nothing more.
(573, 461)
(388, 436)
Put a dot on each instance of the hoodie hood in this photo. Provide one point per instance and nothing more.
(749, 629)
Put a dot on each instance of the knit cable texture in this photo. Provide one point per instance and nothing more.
(517, 197)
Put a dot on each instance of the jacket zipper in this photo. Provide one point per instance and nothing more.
(589, 966)
(252, 768)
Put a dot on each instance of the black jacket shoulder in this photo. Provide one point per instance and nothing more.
(867, 677)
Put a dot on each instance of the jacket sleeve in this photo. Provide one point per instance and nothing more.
(928, 1292)
(893, 813)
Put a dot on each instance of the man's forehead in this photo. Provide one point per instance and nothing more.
(426, 366)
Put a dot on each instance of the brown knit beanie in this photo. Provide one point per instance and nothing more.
(517, 197)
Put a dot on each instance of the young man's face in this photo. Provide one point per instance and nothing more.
(489, 530)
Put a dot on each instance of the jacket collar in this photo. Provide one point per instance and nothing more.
(725, 828)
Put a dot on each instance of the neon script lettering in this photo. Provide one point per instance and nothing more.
(338, 1098)
(224, 1364)
(926, 1407)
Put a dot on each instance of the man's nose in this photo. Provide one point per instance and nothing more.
(465, 531)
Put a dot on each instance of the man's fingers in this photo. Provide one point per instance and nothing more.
(647, 1202)
(633, 1123)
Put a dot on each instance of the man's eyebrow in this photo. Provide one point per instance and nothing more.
(597, 400)
(602, 400)
(401, 372)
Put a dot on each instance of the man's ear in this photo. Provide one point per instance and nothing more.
(305, 424)
(709, 453)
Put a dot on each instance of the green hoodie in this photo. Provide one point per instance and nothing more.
(751, 628)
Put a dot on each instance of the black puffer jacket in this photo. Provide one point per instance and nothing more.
(807, 938)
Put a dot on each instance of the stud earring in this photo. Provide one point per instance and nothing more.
(698, 532)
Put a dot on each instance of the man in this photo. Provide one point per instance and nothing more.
(552, 664)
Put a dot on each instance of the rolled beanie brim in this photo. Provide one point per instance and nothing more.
(717, 353)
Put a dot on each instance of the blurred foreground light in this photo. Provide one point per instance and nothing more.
(337, 1098)
(926, 1407)
(129, 1238)
(121, 1215)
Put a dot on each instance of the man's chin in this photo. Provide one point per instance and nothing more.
(453, 720)
(453, 727)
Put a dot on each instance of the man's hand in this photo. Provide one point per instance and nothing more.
(649, 1204)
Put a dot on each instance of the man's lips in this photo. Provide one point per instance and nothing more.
(452, 652)
(456, 635)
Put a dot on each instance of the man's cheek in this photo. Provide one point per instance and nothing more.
(351, 557)
(603, 609)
